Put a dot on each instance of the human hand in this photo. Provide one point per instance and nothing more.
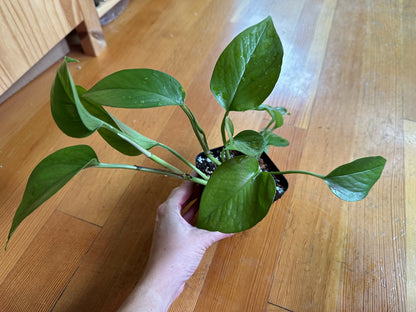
(177, 250)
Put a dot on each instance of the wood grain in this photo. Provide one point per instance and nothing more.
(274, 308)
(347, 81)
(408, 64)
(41, 275)
(410, 229)
(29, 29)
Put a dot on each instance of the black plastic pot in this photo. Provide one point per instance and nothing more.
(207, 166)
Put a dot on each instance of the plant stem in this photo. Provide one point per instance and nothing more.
(203, 175)
(268, 126)
(183, 176)
(298, 171)
(150, 155)
(213, 159)
(224, 138)
(199, 133)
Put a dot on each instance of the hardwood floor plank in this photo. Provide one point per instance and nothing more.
(42, 273)
(304, 56)
(117, 258)
(374, 265)
(410, 233)
(408, 63)
(27, 146)
(274, 308)
(310, 262)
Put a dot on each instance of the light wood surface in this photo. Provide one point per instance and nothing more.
(30, 29)
(348, 80)
(106, 6)
(410, 200)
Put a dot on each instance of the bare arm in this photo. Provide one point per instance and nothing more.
(177, 250)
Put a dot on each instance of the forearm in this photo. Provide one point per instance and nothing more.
(148, 297)
(155, 292)
(177, 249)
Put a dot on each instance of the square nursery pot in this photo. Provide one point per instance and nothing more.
(266, 164)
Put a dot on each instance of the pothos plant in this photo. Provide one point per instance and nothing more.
(239, 193)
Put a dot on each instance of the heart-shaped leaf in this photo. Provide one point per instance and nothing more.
(248, 68)
(353, 181)
(238, 196)
(67, 110)
(248, 142)
(137, 88)
(50, 175)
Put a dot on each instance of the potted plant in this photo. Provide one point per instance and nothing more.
(239, 185)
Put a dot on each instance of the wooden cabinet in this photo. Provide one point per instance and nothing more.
(31, 28)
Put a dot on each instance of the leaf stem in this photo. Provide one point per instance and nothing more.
(298, 171)
(203, 175)
(150, 155)
(224, 138)
(268, 126)
(199, 133)
(183, 176)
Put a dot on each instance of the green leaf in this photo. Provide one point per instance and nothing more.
(137, 88)
(67, 110)
(282, 110)
(248, 142)
(110, 135)
(238, 196)
(50, 175)
(274, 139)
(248, 68)
(353, 181)
(81, 117)
(276, 113)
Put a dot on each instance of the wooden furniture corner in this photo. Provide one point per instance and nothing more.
(30, 29)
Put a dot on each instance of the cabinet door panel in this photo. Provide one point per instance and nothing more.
(28, 30)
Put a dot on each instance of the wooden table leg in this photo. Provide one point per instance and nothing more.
(90, 31)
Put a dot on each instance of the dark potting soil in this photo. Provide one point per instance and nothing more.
(266, 164)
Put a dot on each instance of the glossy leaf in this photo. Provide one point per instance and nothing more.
(112, 137)
(353, 181)
(50, 175)
(248, 142)
(78, 117)
(137, 88)
(248, 68)
(67, 111)
(238, 196)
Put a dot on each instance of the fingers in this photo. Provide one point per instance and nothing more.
(181, 194)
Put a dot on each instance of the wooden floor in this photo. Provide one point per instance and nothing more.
(348, 79)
